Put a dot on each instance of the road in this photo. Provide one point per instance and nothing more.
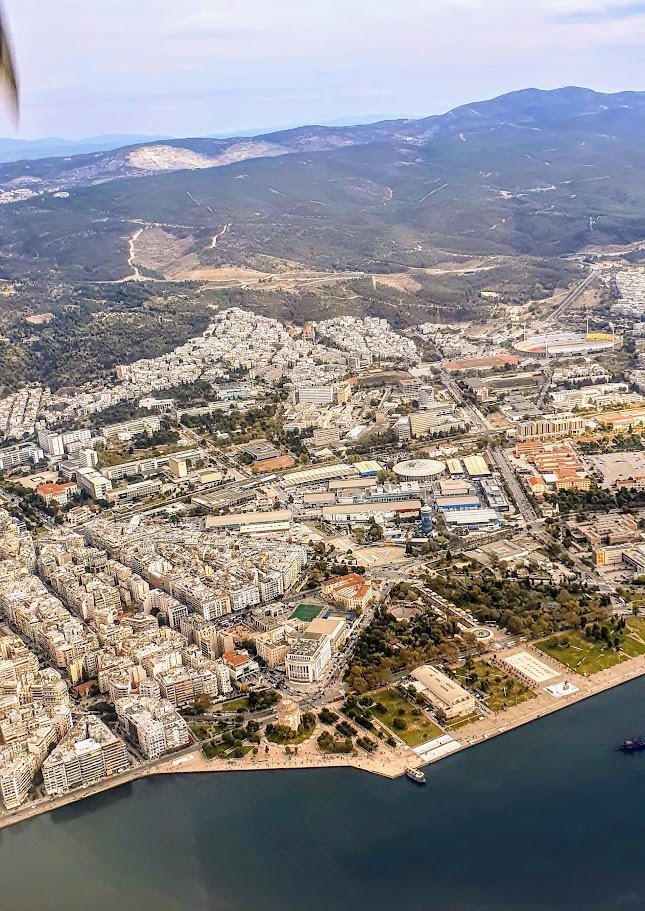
(574, 295)
(476, 417)
(536, 527)
(519, 495)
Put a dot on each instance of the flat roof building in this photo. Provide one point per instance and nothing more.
(252, 522)
(443, 693)
(334, 627)
(308, 658)
(465, 501)
(363, 511)
(472, 519)
(477, 467)
(368, 469)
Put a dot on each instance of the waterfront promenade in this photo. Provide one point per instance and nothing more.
(386, 762)
(544, 704)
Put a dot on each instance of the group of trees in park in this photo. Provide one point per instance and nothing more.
(262, 699)
(262, 420)
(232, 742)
(518, 605)
(597, 499)
(521, 606)
(386, 646)
(610, 633)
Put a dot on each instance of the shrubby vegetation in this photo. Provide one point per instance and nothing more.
(94, 330)
(329, 744)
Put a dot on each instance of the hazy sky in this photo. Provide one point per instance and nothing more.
(196, 67)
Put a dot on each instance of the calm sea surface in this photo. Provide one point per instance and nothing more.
(547, 818)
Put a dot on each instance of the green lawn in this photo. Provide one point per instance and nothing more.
(502, 690)
(588, 656)
(418, 727)
(307, 612)
(235, 705)
(457, 723)
(213, 749)
(637, 626)
(226, 741)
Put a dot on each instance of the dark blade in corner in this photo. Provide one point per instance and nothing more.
(8, 77)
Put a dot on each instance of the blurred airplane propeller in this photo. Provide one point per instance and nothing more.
(8, 78)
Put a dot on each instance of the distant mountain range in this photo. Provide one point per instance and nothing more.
(51, 147)
(55, 147)
(531, 172)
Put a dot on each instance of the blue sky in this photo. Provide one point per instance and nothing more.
(196, 67)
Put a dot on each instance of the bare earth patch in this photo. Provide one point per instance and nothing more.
(400, 281)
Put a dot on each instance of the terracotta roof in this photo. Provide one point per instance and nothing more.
(233, 657)
(53, 489)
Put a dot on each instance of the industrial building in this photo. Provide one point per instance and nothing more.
(318, 474)
(252, 522)
(494, 494)
(466, 501)
(477, 467)
(362, 512)
(464, 520)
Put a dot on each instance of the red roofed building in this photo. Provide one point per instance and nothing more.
(352, 591)
(57, 493)
(536, 486)
(241, 667)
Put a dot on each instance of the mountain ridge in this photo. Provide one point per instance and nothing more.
(315, 137)
(539, 173)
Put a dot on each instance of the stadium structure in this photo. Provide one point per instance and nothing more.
(566, 344)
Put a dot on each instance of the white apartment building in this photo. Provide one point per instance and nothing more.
(323, 436)
(91, 753)
(308, 658)
(153, 725)
(426, 396)
(149, 424)
(152, 738)
(56, 443)
(16, 777)
(21, 454)
(141, 466)
(134, 491)
(316, 395)
(550, 426)
(93, 482)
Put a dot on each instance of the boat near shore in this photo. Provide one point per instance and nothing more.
(416, 775)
